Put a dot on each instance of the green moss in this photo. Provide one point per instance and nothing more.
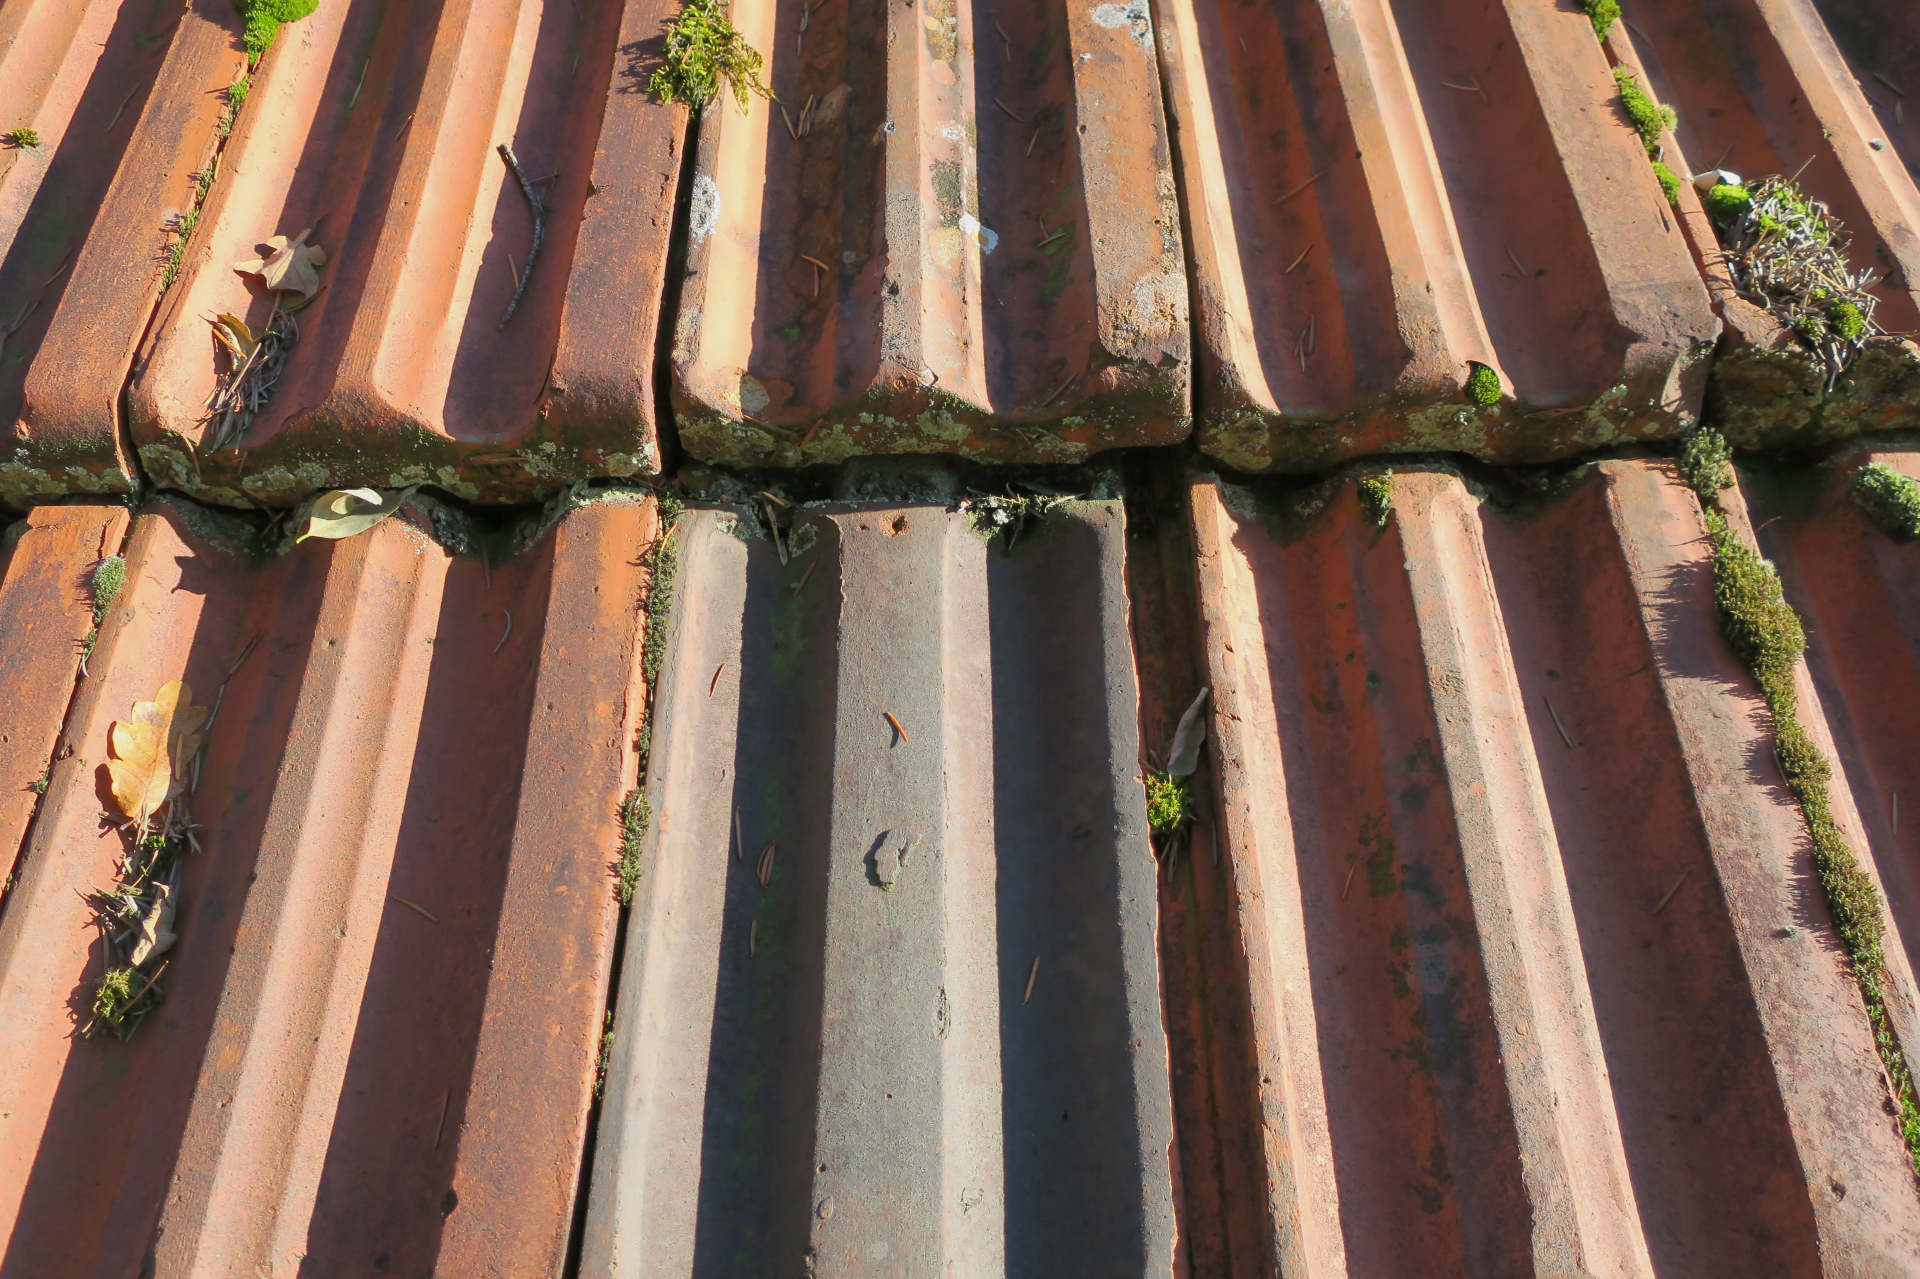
(1603, 14)
(702, 49)
(1169, 801)
(1846, 319)
(264, 18)
(1376, 498)
(1705, 461)
(1892, 499)
(605, 1058)
(21, 138)
(1766, 633)
(636, 814)
(1649, 118)
(109, 575)
(113, 1000)
(1669, 182)
(1759, 623)
(1727, 202)
(1483, 384)
(663, 566)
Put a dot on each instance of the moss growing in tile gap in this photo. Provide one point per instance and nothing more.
(109, 575)
(1649, 118)
(1376, 498)
(636, 814)
(1483, 384)
(663, 566)
(1890, 498)
(1669, 182)
(1705, 463)
(1603, 14)
(264, 18)
(1765, 632)
(1169, 801)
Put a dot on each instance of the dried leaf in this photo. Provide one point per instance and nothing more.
(1188, 739)
(344, 512)
(287, 266)
(151, 748)
(156, 926)
(233, 330)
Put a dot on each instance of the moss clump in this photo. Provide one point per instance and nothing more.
(702, 49)
(1846, 319)
(1376, 498)
(113, 1000)
(1603, 14)
(1704, 461)
(1483, 384)
(1169, 801)
(1727, 202)
(1759, 623)
(264, 18)
(1669, 182)
(1763, 629)
(663, 566)
(636, 814)
(21, 138)
(1649, 118)
(109, 575)
(1892, 499)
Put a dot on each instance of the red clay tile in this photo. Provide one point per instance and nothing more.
(1514, 875)
(46, 616)
(377, 127)
(965, 1071)
(1859, 595)
(1379, 193)
(123, 98)
(334, 1075)
(973, 249)
(1760, 89)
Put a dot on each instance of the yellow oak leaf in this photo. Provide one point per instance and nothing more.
(152, 748)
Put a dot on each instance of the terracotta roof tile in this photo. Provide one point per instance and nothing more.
(889, 994)
(1380, 193)
(974, 247)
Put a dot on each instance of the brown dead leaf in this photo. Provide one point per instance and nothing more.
(151, 748)
(345, 512)
(156, 927)
(287, 266)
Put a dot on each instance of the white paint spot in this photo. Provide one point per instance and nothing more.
(703, 207)
(953, 133)
(1159, 304)
(1131, 15)
(985, 236)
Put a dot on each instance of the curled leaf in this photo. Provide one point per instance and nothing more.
(344, 512)
(156, 926)
(151, 748)
(287, 265)
(233, 331)
(1188, 739)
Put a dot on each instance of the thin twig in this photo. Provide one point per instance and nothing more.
(503, 634)
(1298, 187)
(804, 576)
(1297, 261)
(896, 726)
(1671, 891)
(715, 681)
(539, 230)
(1556, 722)
(1031, 974)
(416, 908)
(1010, 112)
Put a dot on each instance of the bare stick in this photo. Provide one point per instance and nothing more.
(416, 908)
(503, 634)
(539, 229)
